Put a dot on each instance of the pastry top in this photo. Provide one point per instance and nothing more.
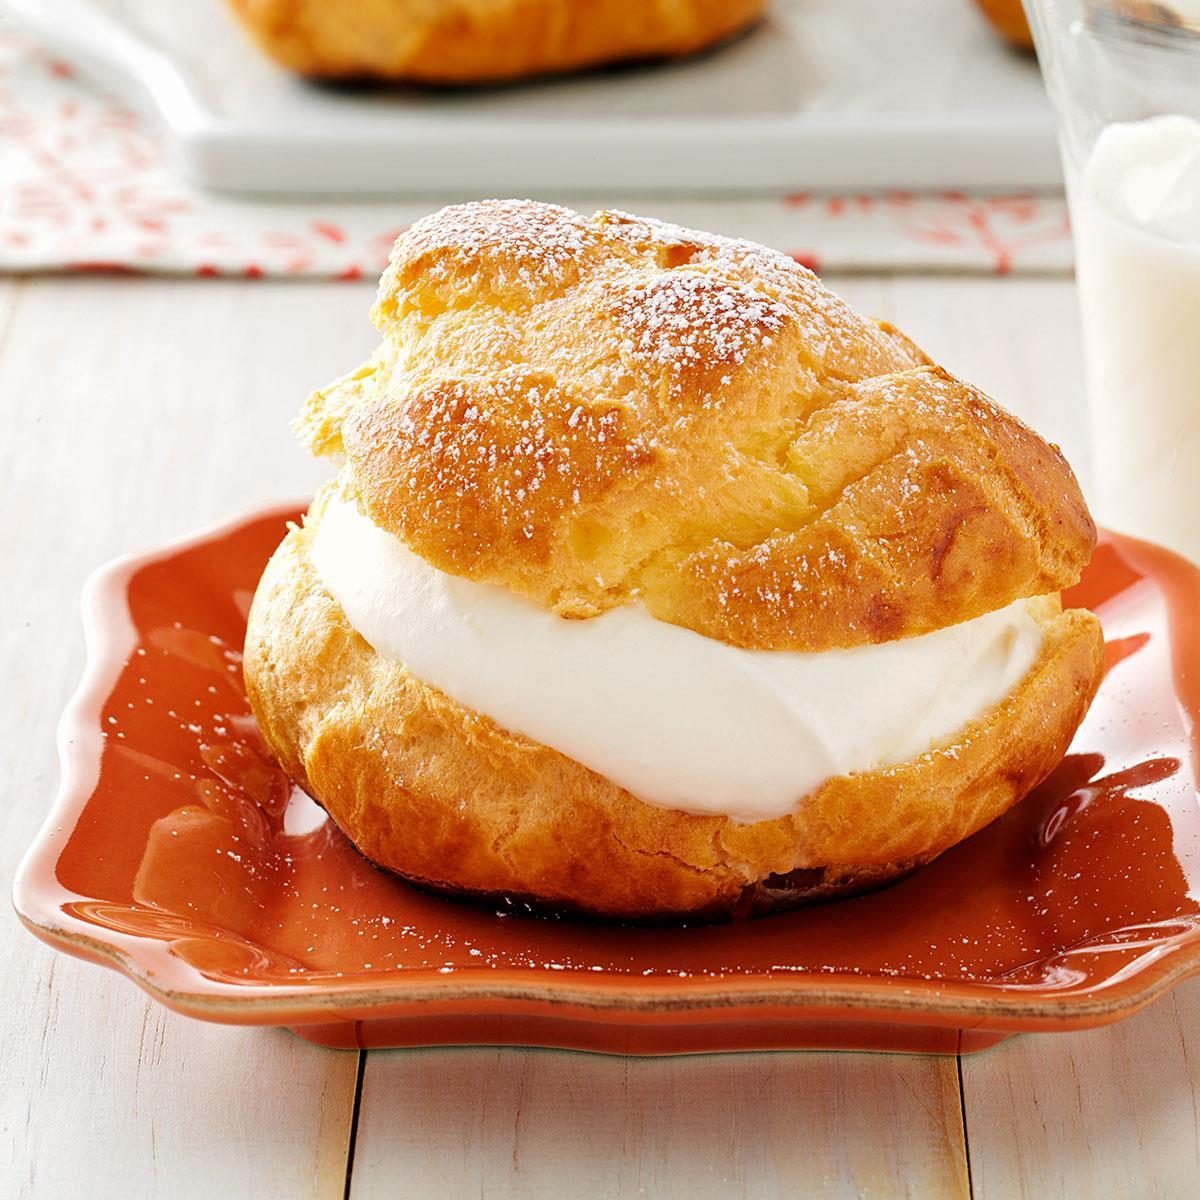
(478, 41)
(591, 411)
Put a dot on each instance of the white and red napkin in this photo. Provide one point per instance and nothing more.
(86, 184)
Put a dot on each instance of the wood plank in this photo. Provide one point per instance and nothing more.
(136, 410)
(1111, 1112)
(10, 289)
(507, 1124)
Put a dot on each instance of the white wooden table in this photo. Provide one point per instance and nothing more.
(134, 410)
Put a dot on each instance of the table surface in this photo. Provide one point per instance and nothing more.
(137, 409)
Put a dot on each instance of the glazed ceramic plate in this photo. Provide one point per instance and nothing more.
(823, 93)
(179, 854)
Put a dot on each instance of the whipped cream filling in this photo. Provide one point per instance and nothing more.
(680, 720)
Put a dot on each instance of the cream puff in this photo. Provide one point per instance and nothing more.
(482, 41)
(657, 582)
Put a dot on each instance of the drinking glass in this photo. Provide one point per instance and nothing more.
(1124, 78)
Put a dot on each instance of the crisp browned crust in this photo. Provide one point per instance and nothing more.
(443, 796)
(587, 410)
(478, 41)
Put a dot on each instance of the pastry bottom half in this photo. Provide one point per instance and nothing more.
(444, 797)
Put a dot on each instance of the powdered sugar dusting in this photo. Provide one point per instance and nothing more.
(516, 451)
(525, 243)
(708, 247)
(683, 319)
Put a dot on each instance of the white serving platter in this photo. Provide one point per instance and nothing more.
(840, 94)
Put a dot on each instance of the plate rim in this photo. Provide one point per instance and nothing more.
(150, 963)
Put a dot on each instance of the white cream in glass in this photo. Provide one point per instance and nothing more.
(1125, 80)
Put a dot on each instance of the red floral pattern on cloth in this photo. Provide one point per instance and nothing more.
(86, 185)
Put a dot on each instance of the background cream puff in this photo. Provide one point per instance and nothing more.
(482, 41)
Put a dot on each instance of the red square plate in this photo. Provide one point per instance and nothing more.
(179, 854)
